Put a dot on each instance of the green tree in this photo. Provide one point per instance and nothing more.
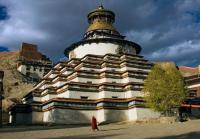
(164, 88)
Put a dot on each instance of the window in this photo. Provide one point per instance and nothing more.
(192, 94)
(34, 68)
(89, 82)
(27, 68)
(28, 74)
(84, 97)
(40, 69)
(114, 96)
(46, 70)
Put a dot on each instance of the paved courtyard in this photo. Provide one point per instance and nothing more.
(186, 130)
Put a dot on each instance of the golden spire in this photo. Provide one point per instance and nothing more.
(101, 6)
(101, 19)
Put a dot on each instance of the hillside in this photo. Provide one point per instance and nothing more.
(15, 85)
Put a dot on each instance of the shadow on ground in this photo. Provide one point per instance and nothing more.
(112, 129)
(191, 135)
(85, 137)
(35, 128)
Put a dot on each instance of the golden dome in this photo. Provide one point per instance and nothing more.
(101, 19)
(100, 25)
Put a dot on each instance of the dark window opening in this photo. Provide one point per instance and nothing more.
(28, 74)
(27, 68)
(192, 94)
(84, 97)
(114, 96)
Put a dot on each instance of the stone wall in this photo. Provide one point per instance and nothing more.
(146, 113)
(67, 116)
(21, 118)
(26, 118)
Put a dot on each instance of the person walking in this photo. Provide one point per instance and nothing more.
(94, 124)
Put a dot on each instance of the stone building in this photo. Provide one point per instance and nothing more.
(103, 77)
(32, 63)
(192, 79)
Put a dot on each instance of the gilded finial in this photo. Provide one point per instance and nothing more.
(101, 7)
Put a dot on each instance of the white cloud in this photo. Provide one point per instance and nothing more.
(143, 36)
(178, 50)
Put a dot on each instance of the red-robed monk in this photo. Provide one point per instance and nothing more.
(94, 124)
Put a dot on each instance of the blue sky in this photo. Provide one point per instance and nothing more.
(3, 13)
(3, 49)
(167, 30)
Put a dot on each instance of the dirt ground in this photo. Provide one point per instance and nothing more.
(185, 130)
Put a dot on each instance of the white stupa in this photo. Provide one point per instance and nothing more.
(103, 77)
